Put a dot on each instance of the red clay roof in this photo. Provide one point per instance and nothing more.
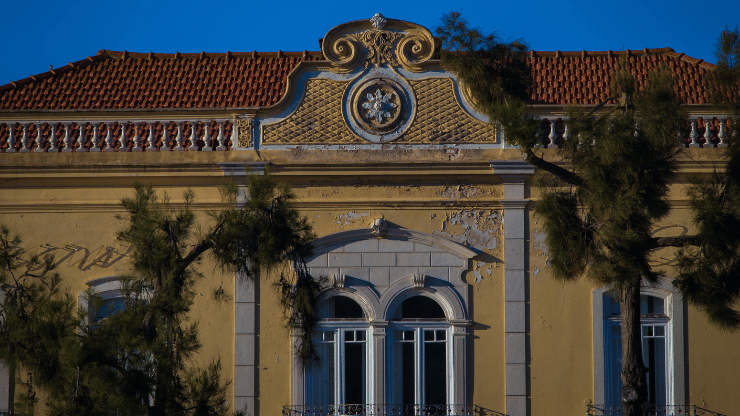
(121, 80)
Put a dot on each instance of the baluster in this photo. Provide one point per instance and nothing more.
(694, 135)
(179, 137)
(553, 136)
(122, 138)
(68, 142)
(53, 139)
(708, 133)
(566, 133)
(110, 140)
(25, 144)
(82, 138)
(11, 139)
(207, 139)
(40, 142)
(722, 134)
(221, 138)
(165, 136)
(151, 140)
(138, 144)
(95, 140)
(193, 137)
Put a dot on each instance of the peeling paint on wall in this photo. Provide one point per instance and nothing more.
(350, 218)
(538, 242)
(476, 229)
(462, 191)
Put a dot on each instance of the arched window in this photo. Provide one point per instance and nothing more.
(420, 351)
(341, 376)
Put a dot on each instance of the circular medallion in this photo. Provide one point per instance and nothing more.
(379, 106)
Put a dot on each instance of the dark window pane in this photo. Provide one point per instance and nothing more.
(341, 307)
(407, 371)
(420, 307)
(354, 373)
(435, 373)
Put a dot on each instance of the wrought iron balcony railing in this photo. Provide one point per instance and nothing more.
(381, 410)
(653, 410)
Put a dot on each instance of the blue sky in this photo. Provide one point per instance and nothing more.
(37, 33)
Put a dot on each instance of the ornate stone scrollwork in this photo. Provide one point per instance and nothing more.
(379, 45)
(244, 132)
(414, 49)
(378, 41)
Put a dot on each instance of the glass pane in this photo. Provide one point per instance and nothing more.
(322, 375)
(329, 336)
(614, 366)
(651, 305)
(360, 335)
(403, 371)
(109, 307)
(435, 373)
(441, 335)
(354, 373)
(659, 331)
(428, 335)
(654, 356)
(349, 335)
(340, 307)
(408, 335)
(419, 307)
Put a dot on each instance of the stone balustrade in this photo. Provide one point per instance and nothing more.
(117, 136)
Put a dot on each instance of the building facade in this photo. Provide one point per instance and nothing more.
(441, 301)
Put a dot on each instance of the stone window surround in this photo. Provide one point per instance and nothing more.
(675, 367)
(378, 308)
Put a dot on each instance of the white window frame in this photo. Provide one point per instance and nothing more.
(339, 327)
(675, 369)
(419, 327)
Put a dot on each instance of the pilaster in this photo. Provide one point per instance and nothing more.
(514, 175)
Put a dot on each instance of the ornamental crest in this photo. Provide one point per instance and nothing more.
(378, 41)
(379, 44)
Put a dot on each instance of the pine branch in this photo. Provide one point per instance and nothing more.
(681, 241)
(562, 173)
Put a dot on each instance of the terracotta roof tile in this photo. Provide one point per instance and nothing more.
(123, 80)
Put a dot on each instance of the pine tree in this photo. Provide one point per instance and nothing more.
(136, 361)
(608, 189)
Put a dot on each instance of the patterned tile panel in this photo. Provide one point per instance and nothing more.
(318, 119)
(440, 119)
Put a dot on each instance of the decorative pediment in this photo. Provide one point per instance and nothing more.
(379, 42)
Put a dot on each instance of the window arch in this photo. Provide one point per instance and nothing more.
(661, 316)
(342, 344)
(419, 351)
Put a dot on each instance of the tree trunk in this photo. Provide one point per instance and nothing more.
(634, 381)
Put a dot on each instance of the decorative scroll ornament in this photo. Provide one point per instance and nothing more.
(379, 44)
(378, 41)
(244, 132)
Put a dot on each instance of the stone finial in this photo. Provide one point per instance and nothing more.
(378, 21)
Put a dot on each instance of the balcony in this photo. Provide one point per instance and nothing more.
(388, 410)
(654, 410)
